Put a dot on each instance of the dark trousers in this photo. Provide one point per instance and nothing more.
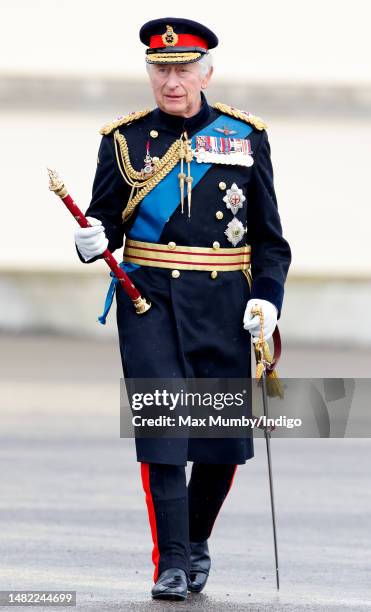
(179, 514)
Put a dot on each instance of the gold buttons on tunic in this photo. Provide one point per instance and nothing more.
(216, 245)
(171, 245)
(214, 274)
(153, 133)
(175, 273)
(222, 185)
(219, 215)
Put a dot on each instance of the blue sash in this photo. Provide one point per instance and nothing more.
(158, 206)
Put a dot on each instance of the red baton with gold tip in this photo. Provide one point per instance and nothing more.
(141, 305)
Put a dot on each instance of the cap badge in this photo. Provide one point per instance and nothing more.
(169, 39)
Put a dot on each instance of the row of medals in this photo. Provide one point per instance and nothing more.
(217, 150)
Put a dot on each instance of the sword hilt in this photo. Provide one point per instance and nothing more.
(259, 344)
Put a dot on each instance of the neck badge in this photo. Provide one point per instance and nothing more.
(149, 166)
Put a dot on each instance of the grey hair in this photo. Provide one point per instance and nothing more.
(205, 63)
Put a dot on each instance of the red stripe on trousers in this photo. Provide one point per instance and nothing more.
(144, 468)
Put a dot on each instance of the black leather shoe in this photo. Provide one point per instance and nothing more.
(172, 585)
(200, 566)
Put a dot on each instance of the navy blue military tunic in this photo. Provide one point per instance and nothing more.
(195, 326)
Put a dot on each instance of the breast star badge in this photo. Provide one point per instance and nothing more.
(235, 231)
(234, 198)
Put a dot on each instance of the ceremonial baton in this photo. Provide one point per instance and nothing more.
(264, 365)
(141, 305)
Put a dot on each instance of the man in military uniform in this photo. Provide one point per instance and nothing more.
(190, 186)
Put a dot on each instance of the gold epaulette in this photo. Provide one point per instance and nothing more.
(243, 115)
(125, 120)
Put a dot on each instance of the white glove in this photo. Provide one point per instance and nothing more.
(252, 323)
(91, 241)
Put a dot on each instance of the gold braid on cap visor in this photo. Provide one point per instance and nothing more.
(182, 58)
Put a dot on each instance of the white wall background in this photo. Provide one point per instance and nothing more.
(306, 40)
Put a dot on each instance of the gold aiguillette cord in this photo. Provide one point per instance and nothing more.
(181, 175)
(185, 154)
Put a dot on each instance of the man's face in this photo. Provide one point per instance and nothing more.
(177, 88)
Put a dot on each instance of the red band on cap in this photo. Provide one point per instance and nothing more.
(184, 40)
